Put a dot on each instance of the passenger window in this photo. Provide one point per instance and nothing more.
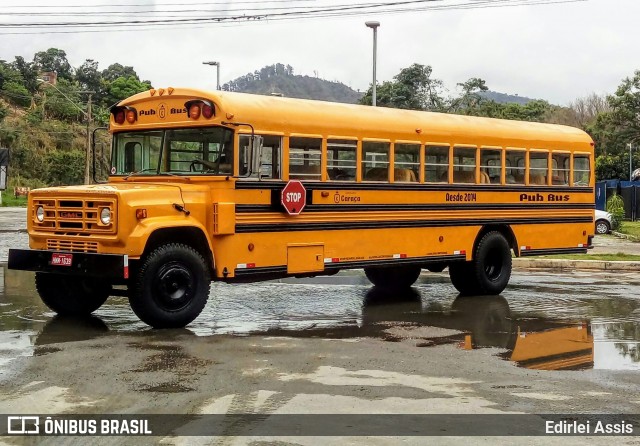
(341, 159)
(464, 165)
(406, 163)
(304, 158)
(561, 164)
(271, 156)
(436, 164)
(538, 168)
(491, 166)
(375, 161)
(581, 170)
(515, 162)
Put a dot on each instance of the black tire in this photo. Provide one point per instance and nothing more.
(171, 287)
(602, 227)
(489, 271)
(396, 277)
(72, 295)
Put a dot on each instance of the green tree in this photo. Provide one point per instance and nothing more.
(65, 167)
(413, 88)
(28, 73)
(123, 87)
(16, 93)
(3, 111)
(114, 71)
(470, 101)
(62, 102)
(626, 109)
(54, 59)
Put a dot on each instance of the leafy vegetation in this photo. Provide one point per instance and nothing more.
(44, 125)
(615, 206)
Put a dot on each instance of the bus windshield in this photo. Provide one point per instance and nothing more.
(192, 151)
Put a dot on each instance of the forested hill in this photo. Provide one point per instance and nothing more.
(279, 79)
(503, 98)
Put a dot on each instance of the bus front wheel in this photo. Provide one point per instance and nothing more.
(489, 271)
(396, 277)
(171, 287)
(70, 295)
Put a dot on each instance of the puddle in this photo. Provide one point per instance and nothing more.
(543, 321)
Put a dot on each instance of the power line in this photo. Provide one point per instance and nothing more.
(333, 9)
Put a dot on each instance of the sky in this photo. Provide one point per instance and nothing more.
(558, 51)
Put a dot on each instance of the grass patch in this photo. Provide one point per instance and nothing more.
(605, 257)
(630, 228)
(8, 199)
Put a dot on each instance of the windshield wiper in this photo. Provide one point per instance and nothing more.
(137, 172)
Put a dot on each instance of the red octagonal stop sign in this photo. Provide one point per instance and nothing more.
(293, 197)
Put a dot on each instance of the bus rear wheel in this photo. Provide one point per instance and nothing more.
(71, 295)
(396, 277)
(489, 271)
(171, 287)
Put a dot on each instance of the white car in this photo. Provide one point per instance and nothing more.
(604, 221)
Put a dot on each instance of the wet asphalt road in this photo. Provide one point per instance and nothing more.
(334, 345)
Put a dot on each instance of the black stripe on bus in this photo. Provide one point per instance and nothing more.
(251, 208)
(337, 226)
(552, 251)
(282, 270)
(345, 186)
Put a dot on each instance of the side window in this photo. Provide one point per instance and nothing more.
(581, 170)
(436, 164)
(304, 158)
(464, 165)
(375, 161)
(341, 159)
(538, 168)
(515, 163)
(271, 156)
(490, 166)
(561, 164)
(406, 163)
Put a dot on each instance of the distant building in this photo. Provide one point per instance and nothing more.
(50, 77)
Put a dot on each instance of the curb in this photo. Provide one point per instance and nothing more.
(563, 264)
(631, 238)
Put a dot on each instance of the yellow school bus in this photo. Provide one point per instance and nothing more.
(235, 187)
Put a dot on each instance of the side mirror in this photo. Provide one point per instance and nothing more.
(256, 154)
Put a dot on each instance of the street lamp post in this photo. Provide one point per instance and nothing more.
(88, 117)
(217, 65)
(374, 26)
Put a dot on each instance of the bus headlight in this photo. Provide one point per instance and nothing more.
(40, 214)
(105, 216)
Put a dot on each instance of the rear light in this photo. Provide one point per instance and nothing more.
(194, 111)
(131, 116)
(119, 117)
(207, 111)
(123, 113)
(200, 107)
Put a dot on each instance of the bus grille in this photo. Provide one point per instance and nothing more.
(73, 216)
(70, 245)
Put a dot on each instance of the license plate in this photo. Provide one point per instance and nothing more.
(58, 259)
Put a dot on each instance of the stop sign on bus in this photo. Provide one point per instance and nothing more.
(293, 197)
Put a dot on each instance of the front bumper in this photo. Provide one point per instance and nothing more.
(106, 266)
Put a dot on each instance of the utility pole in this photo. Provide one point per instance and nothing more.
(88, 155)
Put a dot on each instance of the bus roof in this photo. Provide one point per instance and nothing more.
(284, 115)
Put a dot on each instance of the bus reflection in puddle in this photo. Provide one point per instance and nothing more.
(531, 342)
